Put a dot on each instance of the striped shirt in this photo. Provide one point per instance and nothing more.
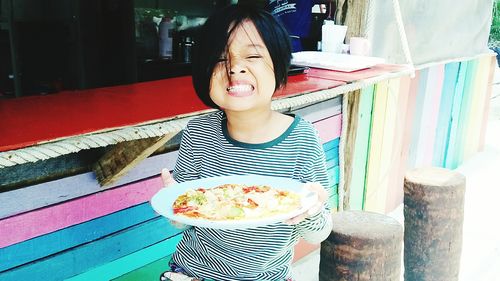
(260, 253)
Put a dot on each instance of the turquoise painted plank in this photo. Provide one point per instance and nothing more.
(131, 262)
(445, 114)
(334, 174)
(449, 157)
(331, 144)
(85, 257)
(361, 144)
(417, 118)
(70, 237)
(331, 163)
(332, 154)
(460, 116)
(149, 272)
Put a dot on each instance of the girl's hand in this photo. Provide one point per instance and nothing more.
(316, 207)
(168, 180)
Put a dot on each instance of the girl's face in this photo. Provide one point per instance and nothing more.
(244, 78)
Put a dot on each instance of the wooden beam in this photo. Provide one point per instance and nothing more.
(353, 99)
(124, 156)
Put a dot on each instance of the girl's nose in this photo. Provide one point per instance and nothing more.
(237, 68)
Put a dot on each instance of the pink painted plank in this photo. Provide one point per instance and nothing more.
(430, 115)
(487, 102)
(329, 128)
(355, 75)
(409, 118)
(400, 155)
(28, 225)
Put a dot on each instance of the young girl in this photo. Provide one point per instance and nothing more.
(242, 58)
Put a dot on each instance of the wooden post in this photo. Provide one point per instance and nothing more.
(362, 246)
(434, 213)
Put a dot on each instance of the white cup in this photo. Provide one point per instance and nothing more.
(333, 37)
(359, 46)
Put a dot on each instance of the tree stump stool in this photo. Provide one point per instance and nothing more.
(434, 213)
(362, 246)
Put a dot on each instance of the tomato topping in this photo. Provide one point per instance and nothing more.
(183, 209)
(252, 203)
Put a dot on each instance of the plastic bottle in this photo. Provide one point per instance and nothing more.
(327, 42)
(165, 32)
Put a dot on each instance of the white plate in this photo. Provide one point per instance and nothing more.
(162, 201)
(333, 61)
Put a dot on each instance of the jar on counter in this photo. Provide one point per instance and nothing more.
(186, 49)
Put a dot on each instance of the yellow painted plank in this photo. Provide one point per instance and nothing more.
(479, 89)
(376, 141)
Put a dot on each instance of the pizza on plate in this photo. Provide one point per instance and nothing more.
(236, 202)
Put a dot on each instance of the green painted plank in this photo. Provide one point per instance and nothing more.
(463, 117)
(149, 272)
(449, 157)
(361, 144)
(130, 262)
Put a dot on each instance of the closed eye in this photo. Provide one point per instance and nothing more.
(254, 57)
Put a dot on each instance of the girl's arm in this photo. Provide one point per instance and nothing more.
(185, 168)
(317, 225)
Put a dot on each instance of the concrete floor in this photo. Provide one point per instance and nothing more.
(481, 234)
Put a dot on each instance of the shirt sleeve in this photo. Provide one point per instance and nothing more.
(185, 166)
(317, 228)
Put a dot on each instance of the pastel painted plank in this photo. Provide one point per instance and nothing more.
(332, 161)
(409, 115)
(150, 271)
(329, 129)
(84, 257)
(331, 144)
(430, 113)
(35, 223)
(361, 147)
(479, 88)
(395, 183)
(134, 261)
(376, 142)
(451, 159)
(58, 241)
(445, 110)
(388, 149)
(322, 110)
(50, 193)
(421, 87)
(334, 174)
(486, 101)
(465, 109)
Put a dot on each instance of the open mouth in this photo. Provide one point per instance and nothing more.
(240, 90)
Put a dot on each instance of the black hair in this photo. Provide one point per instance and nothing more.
(215, 34)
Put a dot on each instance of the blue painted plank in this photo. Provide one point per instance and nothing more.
(70, 237)
(85, 257)
(331, 144)
(444, 118)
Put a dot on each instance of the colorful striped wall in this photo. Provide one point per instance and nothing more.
(438, 118)
(73, 229)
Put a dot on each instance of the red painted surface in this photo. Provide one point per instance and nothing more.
(36, 119)
(355, 75)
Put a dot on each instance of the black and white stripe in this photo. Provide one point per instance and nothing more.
(262, 253)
